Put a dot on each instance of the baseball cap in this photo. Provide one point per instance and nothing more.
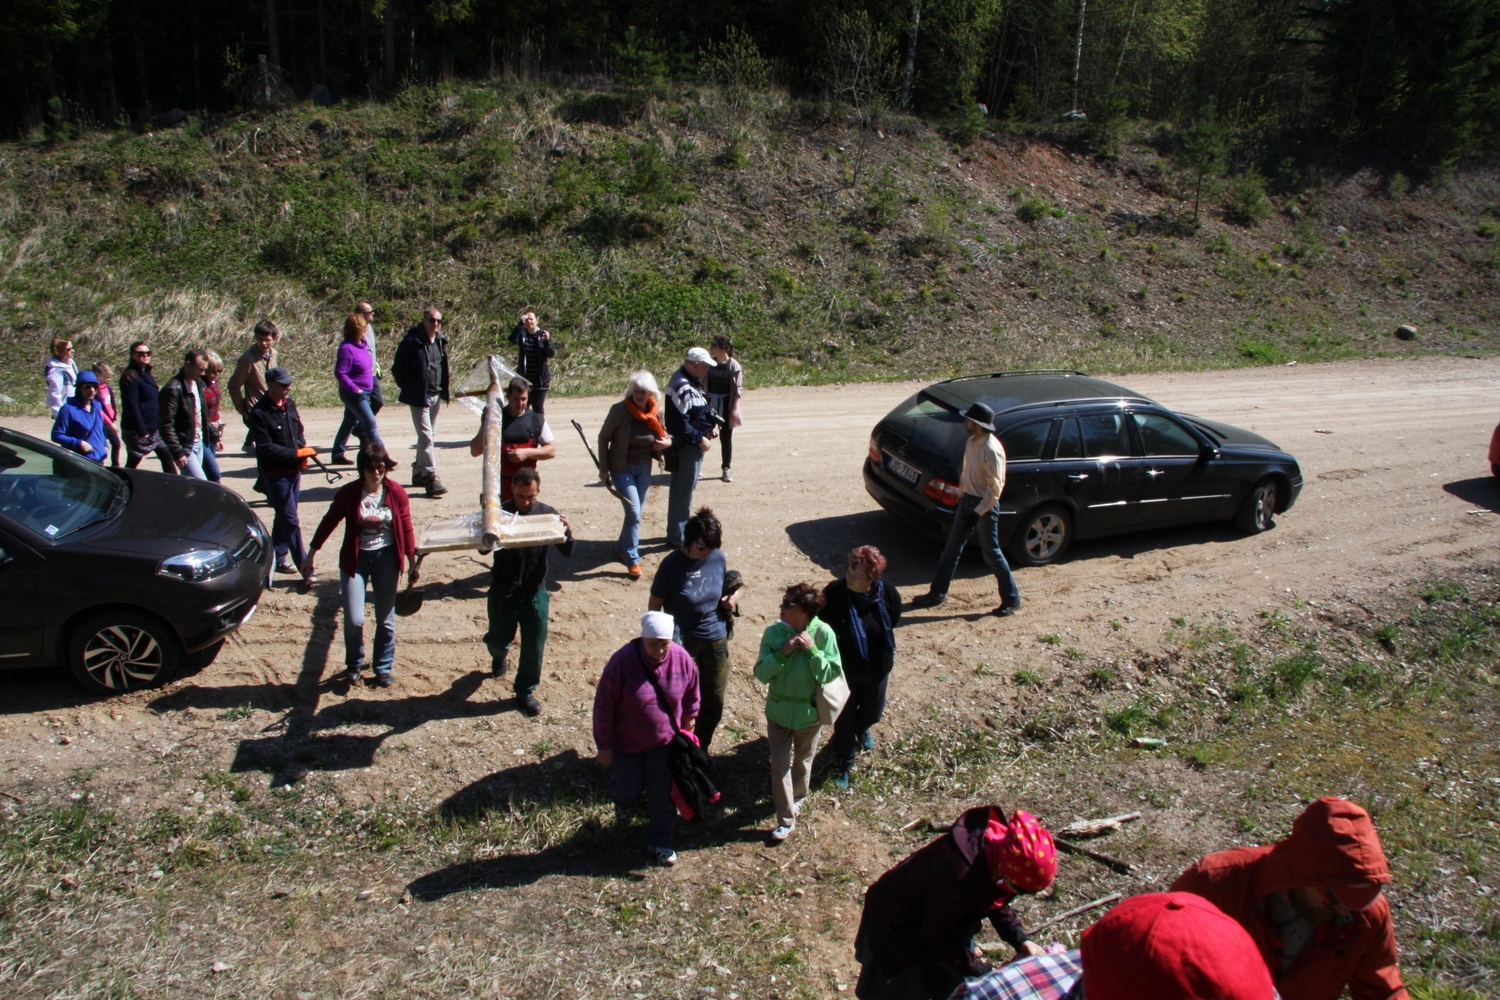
(279, 375)
(699, 355)
(85, 378)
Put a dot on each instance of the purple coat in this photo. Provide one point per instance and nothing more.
(355, 367)
(627, 714)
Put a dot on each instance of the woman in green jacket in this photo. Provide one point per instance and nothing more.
(798, 654)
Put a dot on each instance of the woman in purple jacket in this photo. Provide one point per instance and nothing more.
(354, 370)
(633, 729)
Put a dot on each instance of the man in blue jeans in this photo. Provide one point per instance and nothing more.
(982, 482)
(690, 422)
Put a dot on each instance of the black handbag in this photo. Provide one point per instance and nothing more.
(687, 762)
(669, 459)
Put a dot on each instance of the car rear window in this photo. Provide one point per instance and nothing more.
(1027, 442)
(1104, 434)
(1069, 441)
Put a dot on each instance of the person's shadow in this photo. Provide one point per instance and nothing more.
(306, 737)
(1481, 491)
(595, 849)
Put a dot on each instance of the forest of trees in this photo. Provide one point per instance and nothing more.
(1418, 79)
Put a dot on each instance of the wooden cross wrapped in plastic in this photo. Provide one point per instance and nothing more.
(491, 527)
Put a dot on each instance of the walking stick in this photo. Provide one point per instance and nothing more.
(608, 483)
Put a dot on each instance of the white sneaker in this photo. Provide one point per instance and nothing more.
(781, 833)
(728, 477)
(665, 856)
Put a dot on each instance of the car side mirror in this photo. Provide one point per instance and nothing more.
(1208, 453)
(6, 559)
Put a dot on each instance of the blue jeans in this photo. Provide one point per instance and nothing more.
(632, 773)
(286, 529)
(633, 484)
(680, 492)
(359, 419)
(211, 464)
(380, 570)
(194, 466)
(964, 520)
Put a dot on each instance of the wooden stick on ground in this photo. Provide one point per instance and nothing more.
(1101, 901)
(1123, 867)
(1094, 827)
(913, 824)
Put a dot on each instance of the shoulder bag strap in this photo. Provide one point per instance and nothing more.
(661, 699)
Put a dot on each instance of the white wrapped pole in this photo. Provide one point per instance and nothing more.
(491, 515)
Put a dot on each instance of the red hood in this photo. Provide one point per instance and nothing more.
(1333, 842)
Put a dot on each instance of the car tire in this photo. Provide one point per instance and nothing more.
(1043, 536)
(1257, 511)
(118, 651)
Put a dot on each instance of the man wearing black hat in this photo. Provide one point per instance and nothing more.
(983, 481)
(280, 452)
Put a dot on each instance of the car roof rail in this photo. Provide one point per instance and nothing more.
(1026, 371)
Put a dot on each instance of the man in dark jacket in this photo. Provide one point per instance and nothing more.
(536, 347)
(690, 422)
(280, 448)
(185, 428)
(916, 933)
(518, 596)
(140, 413)
(421, 373)
(1313, 904)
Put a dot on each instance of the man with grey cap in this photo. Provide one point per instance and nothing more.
(982, 482)
(647, 693)
(690, 422)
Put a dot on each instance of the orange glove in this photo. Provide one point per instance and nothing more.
(306, 452)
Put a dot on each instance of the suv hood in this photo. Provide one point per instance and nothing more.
(1228, 434)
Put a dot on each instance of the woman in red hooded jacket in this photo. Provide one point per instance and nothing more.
(1313, 905)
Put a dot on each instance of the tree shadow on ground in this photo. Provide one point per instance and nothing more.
(1481, 491)
(594, 850)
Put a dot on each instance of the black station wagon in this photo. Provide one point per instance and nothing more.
(1084, 458)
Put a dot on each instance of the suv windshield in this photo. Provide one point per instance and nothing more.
(51, 491)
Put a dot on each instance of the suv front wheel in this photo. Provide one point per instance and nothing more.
(118, 651)
(1043, 536)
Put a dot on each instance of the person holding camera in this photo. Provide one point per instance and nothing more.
(692, 424)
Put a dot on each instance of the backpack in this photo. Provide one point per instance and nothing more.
(687, 762)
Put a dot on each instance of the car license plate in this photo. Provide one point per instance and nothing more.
(901, 469)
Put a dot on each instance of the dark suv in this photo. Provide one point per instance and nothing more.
(123, 574)
(1084, 458)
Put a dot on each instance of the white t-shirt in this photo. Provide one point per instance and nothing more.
(546, 436)
(375, 531)
(197, 404)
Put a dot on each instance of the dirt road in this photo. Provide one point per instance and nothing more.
(1393, 454)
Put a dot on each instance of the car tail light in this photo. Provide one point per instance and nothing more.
(874, 450)
(946, 493)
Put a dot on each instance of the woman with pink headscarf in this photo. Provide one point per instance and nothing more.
(916, 936)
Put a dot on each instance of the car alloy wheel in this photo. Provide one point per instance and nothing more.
(1044, 536)
(1257, 511)
(123, 651)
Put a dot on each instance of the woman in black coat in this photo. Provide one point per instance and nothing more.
(862, 610)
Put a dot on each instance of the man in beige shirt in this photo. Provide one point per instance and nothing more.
(982, 482)
(248, 383)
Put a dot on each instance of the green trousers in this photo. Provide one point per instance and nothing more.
(529, 612)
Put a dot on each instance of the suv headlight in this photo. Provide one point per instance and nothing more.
(200, 564)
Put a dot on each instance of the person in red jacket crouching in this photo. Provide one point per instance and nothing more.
(378, 544)
(1313, 905)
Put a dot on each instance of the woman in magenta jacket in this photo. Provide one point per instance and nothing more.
(378, 544)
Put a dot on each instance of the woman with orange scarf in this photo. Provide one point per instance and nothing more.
(631, 437)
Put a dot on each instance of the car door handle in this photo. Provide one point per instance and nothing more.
(1078, 477)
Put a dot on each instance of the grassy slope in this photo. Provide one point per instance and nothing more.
(825, 256)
